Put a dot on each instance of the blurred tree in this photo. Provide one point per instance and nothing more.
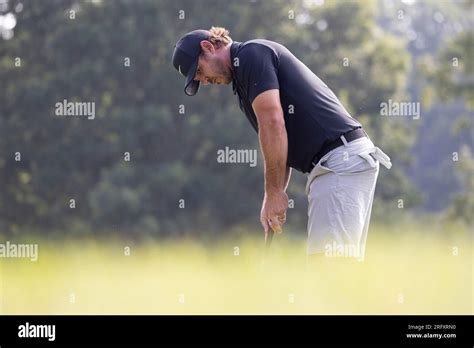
(427, 26)
(452, 78)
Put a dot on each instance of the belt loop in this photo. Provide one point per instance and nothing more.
(343, 138)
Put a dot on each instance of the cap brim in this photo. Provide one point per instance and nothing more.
(192, 87)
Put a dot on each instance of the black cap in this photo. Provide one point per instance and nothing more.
(186, 56)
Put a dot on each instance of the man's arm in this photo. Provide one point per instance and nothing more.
(273, 138)
(274, 143)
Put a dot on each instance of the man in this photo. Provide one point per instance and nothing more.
(302, 125)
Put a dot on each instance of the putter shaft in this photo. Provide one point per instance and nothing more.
(268, 242)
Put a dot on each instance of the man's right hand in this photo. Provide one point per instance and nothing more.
(273, 214)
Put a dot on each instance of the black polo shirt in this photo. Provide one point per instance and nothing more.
(313, 115)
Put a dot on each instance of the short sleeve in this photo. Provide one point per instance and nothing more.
(259, 69)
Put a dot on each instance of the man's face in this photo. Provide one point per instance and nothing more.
(211, 68)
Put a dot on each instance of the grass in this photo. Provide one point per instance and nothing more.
(407, 271)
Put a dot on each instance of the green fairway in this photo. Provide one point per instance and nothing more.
(405, 272)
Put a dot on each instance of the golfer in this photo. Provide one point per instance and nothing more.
(301, 124)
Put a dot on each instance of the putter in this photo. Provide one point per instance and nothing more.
(268, 242)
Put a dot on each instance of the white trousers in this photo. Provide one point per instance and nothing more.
(340, 191)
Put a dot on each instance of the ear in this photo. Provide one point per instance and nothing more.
(207, 47)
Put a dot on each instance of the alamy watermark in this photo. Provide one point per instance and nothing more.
(403, 109)
(228, 155)
(13, 250)
(28, 330)
(343, 250)
(67, 108)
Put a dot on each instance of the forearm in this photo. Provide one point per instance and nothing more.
(274, 144)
